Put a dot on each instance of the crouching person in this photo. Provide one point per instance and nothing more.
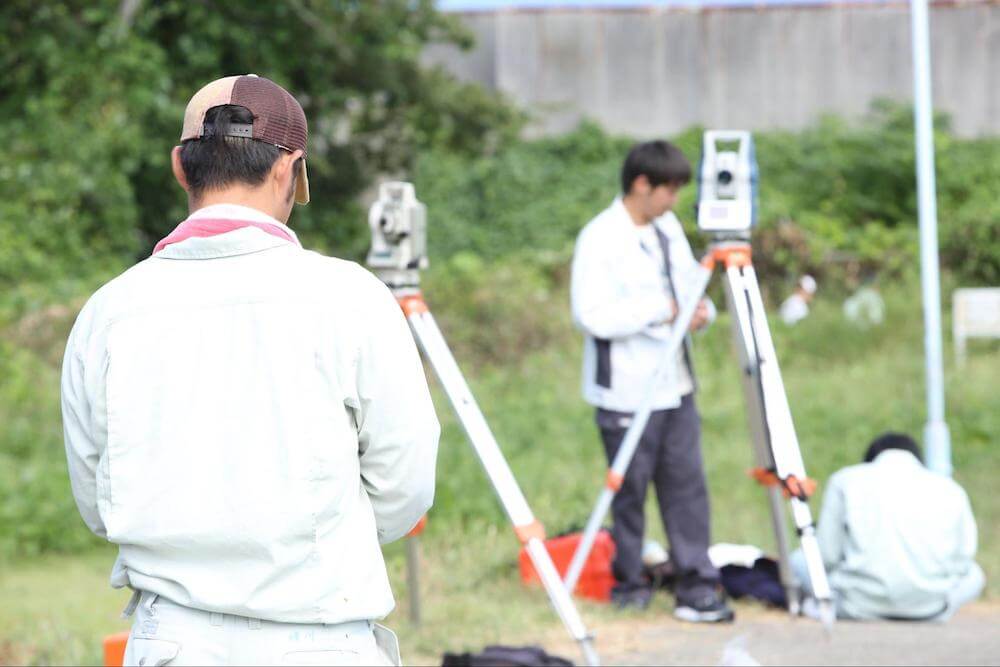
(247, 420)
(898, 541)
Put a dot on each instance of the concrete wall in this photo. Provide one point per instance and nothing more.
(651, 72)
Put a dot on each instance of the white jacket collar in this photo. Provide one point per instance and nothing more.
(624, 218)
(897, 458)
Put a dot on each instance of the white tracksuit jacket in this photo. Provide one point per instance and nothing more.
(247, 421)
(620, 299)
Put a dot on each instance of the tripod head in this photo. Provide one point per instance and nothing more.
(398, 225)
(727, 185)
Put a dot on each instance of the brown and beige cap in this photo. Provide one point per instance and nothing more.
(278, 118)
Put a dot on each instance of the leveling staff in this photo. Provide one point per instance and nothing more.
(631, 263)
(245, 419)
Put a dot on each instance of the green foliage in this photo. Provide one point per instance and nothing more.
(72, 105)
(837, 199)
(496, 313)
(968, 174)
(848, 193)
(531, 196)
(37, 512)
(92, 98)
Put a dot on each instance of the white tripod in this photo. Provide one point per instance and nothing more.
(775, 443)
(529, 531)
(398, 252)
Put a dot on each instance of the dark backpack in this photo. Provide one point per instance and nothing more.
(505, 656)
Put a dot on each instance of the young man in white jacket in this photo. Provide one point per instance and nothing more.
(247, 420)
(631, 266)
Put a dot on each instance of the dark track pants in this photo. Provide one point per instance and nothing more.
(669, 455)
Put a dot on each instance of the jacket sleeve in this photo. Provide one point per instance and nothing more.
(398, 429)
(599, 308)
(83, 451)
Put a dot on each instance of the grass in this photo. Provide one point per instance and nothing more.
(56, 609)
(845, 385)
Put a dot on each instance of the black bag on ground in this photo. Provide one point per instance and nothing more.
(762, 582)
(505, 656)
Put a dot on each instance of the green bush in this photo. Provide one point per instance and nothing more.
(93, 93)
(37, 512)
(495, 313)
(530, 196)
(969, 209)
(838, 199)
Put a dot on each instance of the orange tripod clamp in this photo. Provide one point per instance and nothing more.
(739, 254)
(412, 304)
(790, 486)
(530, 531)
(419, 528)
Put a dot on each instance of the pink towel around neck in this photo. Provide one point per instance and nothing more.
(204, 227)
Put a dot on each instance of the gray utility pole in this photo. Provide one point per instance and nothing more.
(937, 440)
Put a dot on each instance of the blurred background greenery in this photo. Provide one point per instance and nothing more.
(91, 101)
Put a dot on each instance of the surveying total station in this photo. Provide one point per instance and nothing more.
(398, 253)
(727, 200)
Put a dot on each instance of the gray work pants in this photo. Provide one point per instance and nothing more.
(669, 456)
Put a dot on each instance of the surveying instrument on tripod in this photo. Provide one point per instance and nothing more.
(398, 252)
(727, 200)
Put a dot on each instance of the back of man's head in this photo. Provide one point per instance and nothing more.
(244, 141)
(892, 440)
(659, 161)
(218, 160)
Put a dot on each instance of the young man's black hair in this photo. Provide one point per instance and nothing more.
(659, 161)
(217, 160)
(892, 441)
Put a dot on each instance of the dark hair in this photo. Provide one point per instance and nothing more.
(659, 161)
(891, 441)
(216, 160)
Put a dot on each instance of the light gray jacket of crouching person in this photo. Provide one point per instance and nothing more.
(898, 541)
(248, 421)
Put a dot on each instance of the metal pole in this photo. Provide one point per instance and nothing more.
(413, 577)
(937, 440)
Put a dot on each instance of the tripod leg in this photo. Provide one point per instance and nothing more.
(633, 434)
(788, 582)
(747, 354)
(413, 577)
(776, 418)
(430, 340)
(785, 448)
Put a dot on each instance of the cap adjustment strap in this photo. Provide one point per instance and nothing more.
(235, 130)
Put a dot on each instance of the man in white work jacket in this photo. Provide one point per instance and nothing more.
(898, 541)
(248, 420)
(631, 266)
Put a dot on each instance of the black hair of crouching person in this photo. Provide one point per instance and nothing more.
(891, 440)
(659, 161)
(215, 161)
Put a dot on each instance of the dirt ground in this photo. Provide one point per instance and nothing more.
(760, 636)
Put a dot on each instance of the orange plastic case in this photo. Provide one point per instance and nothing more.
(596, 580)
(114, 649)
